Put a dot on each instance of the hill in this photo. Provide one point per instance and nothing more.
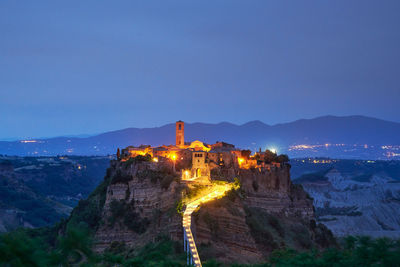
(340, 137)
(40, 191)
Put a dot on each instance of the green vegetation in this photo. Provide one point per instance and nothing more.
(51, 187)
(272, 231)
(270, 157)
(179, 206)
(20, 248)
(245, 153)
(121, 210)
(261, 232)
(357, 251)
(119, 177)
(89, 210)
(164, 176)
(34, 209)
(26, 248)
(138, 158)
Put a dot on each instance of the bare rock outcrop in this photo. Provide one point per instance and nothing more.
(267, 213)
(139, 205)
(139, 202)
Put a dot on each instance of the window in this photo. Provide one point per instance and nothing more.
(180, 126)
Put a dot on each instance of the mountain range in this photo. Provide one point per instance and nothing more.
(330, 136)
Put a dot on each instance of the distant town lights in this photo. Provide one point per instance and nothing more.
(28, 141)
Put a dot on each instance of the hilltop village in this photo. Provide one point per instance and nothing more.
(197, 159)
(211, 198)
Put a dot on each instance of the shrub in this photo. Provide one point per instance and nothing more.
(255, 219)
(121, 210)
(179, 206)
(116, 247)
(87, 211)
(302, 236)
(120, 178)
(283, 158)
(165, 177)
(135, 223)
(166, 181)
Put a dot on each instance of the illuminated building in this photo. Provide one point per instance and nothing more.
(180, 134)
(196, 159)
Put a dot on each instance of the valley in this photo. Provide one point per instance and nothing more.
(39, 191)
(353, 197)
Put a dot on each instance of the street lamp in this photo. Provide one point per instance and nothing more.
(173, 157)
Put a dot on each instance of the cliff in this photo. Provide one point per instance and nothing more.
(267, 213)
(139, 201)
(139, 205)
(356, 204)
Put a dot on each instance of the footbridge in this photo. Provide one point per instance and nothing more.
(189, 244)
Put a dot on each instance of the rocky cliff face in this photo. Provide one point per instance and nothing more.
(268, 212)
(361, 205)
(139, 205)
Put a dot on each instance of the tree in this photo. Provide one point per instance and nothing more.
(283, 158)
(246, 154)
(269, 156)
(118, 154)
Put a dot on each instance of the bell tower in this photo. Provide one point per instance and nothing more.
(180, 134)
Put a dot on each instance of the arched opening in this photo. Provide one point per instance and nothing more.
(198, 172)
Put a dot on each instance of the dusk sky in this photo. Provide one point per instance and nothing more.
(85, 67)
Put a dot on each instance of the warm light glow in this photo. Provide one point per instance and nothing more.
(186, 175)
(218, 191)
(173, 157)
(135, 153)
(240, 160)
(155, 159)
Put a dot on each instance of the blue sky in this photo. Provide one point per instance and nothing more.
(73, 67)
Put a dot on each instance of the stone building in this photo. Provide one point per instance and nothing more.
(200, 166)
(197, 159)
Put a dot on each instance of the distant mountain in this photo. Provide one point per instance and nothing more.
(349, 131)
